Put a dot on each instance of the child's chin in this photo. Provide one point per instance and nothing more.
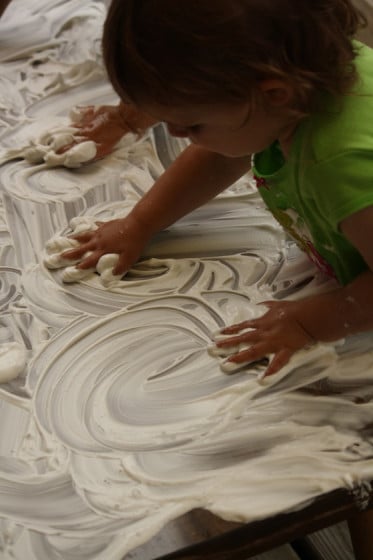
(233, 153)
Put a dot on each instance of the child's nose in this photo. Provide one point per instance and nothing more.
(179, 131)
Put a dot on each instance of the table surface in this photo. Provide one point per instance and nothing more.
(197, 534)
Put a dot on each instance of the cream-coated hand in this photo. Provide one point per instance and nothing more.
(124, 237)
(106, 125)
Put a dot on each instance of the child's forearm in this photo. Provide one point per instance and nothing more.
(3, 6)
(194, 178)
(334, 315)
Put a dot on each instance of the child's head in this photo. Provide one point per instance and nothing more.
(181, 52)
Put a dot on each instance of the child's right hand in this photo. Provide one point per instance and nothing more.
(124, 236)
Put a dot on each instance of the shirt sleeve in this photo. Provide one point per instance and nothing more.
(343, 185)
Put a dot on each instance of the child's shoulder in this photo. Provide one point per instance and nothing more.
(346, 124)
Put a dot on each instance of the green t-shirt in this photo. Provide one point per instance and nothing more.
(327, 177)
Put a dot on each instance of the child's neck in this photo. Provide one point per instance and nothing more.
(286, 137)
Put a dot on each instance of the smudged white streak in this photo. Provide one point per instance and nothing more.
(121, 420)
(12, 360)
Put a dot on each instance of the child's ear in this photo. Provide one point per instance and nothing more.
(277, 92)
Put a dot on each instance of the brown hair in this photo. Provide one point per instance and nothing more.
(176, 52)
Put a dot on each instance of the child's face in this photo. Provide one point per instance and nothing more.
(231, 130)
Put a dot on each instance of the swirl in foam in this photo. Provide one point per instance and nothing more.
(117, 419)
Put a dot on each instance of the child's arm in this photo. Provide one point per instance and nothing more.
(195, 177)
(3, 5)
(289, 326)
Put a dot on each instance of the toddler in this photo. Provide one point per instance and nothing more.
(279, 86)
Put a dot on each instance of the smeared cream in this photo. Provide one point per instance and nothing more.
(12, 361)
(119, 420)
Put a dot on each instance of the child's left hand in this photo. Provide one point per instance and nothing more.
(107, 124)
(276, 332)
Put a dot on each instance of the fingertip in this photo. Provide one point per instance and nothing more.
(229, 331)
(83, 237)
(121, 266)
(223, 341)
(119, 272)
(68, 254)
(278, 362)
(267, 373)
(262, 376)
(270, 371)
(84, 266)
(120, 269)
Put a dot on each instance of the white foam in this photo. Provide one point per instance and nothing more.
(13, 358)
(120, 420)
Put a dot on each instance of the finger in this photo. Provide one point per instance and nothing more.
(87, 124)
(79, 125)
(233, 329)
(73, 274)
(122, 265)
(84, 236)
(74, 254)
(247, 337)
(91, 260)
(65, 148)
(86, 129)
(78, 140)
(279, 360)
(278, 307)
(79, 252)
(252, 354)
(85, 113)
(85, 108)
(101, 152)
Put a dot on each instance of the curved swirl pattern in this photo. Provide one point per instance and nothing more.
(119, 419)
